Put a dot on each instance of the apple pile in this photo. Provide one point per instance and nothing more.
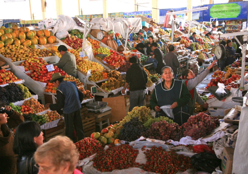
(7, 77)
(218, 73)
(214, 82)
(115, 59)
(32, 106)
(74, 42)
(236, 64)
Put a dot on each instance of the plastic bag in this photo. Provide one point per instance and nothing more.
(221, 90)
(202, 148)
(168, 111)
(88, 49)
(62, 34)
(205, 161)
(140, 144)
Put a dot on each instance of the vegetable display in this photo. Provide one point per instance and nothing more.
(11, 93)
(150, 121)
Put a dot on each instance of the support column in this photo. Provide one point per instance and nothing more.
(135, 5)
(105, 9)
(211, 1)
(155, 10)
(43, 9)
(189, 6)
(59, 7)
(79, 8)
(30, 8)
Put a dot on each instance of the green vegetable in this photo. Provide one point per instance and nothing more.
(153, 120)
(16, 108)
(204, 98)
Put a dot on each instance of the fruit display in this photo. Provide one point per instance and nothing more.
(32, 106)
(85, 65)
(76, 33)
(95, 45)
(52, 115)
(87, 93)
(132, 130)
(116, 157)
(87, 147)
(150, 121)
(113, 84)
(236, 64)
(166, 162)
(114, 59)
(50, 88)
(16, 108)
(74, 42)
(11, 93)
(218, 73)
(215, 81)
(25, 90)
(102, 50)
(124, 67)
(199, 125)
(37, 118)
(229, 72)
(18, 53)
(7, 77)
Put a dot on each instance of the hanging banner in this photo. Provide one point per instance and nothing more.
(231, 10)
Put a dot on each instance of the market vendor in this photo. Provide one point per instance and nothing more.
(136, 79)
(69, 98)
(143, 33)
(208, 35)
(158, 55)
(7, 155)
(191, 81)
(171, 60)
(140, 47)
(67, 62)
(149, 51)
(173, 93)
(230, 53)
(193, 37)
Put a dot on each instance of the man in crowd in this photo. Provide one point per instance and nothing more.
(67, 62)
(193, 37)
(136, 78)
(171, 60)
(69, 98)
(158, 55)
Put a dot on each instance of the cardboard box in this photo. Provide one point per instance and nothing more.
(227, 161)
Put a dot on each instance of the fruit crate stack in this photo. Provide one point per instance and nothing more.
(89, 122)
(53, 132)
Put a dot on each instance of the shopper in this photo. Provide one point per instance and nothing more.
(230, 53)
(173, 93)
(28, 137)
(193, 37)
(67, 62)
(7, 155)
(57, 156)
(69, 98)
(191, 81)
(171, 60)
(149, 46)
(158, 55)
(140, 47)
(136, 78)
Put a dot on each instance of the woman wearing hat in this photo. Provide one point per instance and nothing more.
(69, 98)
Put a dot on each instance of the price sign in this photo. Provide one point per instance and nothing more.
(50, 67)
(93, 90)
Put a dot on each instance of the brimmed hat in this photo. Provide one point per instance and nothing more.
(56, 76)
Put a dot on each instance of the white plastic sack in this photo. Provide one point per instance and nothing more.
(47, 23)
(105, 24)
(88, 49)
(168, 111)
(221, 89)
(62, 34)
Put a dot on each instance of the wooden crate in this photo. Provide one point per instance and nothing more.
(89, 124)
(53, 132)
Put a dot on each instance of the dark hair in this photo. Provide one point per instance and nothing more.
(133, 59)
(193, 33)
(185, 73)
(24, 138)
(219, 29)
(171, 48)
(223, 42)
(62, 48)
(143, 27)
(150, 37)
(228, 41)
(60, 79)
(140, 45)
(154, 44)
(208, 34)
(2, 103)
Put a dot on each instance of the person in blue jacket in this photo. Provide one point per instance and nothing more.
(193, 37)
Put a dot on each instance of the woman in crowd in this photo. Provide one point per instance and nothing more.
(7, 156)
(171, 92)
(193, 37)
(230, 53)
(191, 81)
(28, 137)
(149, 46)
(57, 156)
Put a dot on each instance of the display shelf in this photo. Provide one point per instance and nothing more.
(17, 82)
(19, 103)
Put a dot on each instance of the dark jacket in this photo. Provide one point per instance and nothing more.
(68, 64)
(158, 55)
(171, 60)
(68, 97)
(230, 55)
(7, 156)
(25, 165)
(136, 77)
(193, 39)
(149, 49)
